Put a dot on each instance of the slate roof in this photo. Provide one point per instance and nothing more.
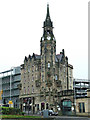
(38, 56)
(58, 57)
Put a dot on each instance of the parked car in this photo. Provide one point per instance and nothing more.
(40, 112)
(51, 113)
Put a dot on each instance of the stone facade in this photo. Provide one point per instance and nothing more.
(44, 76)
(83, 105)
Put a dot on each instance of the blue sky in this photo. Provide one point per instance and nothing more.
(21, 24)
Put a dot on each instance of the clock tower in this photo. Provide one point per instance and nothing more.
(48, 53)
(46, 79)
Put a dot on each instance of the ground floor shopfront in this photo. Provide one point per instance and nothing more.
(34, 104)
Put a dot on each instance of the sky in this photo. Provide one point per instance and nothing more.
(21, 23)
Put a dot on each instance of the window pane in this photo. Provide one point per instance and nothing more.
(80, 107)
(56, 77)
(48, 65)
(83, 105)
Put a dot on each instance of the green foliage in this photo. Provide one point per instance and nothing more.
(18, 116)
(22, 113)
(11, 111)
(60, 113)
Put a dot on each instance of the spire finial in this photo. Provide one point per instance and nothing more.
(48, 21)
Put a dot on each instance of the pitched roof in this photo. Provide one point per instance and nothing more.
(38, 56)
(59, 57)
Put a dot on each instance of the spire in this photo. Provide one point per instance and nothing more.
(48, 15)
(48, 22)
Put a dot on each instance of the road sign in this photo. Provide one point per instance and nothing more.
(10, 102)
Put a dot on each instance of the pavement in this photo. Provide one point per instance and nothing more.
(54, 118)
(63, 117)
(60, 118)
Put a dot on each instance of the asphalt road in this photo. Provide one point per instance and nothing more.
(69, 118)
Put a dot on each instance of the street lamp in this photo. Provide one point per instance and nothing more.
(10, 102)
(10, 83)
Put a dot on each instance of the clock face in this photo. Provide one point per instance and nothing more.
(48, 37)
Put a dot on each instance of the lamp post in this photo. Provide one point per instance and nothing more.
(10, 83)
(10, 102)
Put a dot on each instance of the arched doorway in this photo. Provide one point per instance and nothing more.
(66, 106)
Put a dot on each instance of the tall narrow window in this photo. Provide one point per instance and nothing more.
(28, 89)
(36, 77)
(42, 68)
(32, 77)
(42, 77)
(32, 68)
(37, 106)
(48, 64)
(81, 107)
(64, 69)
(29, 68)
(56, 77)
(36, 68)
(24, 90)
(32, 89)
(46, 105)
(25, 69)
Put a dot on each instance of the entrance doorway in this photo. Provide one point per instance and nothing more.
(66, 106)
(42, 106)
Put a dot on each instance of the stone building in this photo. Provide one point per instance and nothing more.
(46, 79)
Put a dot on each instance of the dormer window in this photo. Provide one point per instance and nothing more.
(48, 64)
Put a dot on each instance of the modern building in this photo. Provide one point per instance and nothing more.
(82, 96)
(83, 105)
(46, 79)
(9, 81)
(80, 87)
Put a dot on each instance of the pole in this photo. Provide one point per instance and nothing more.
(10, 83)
(74, 98)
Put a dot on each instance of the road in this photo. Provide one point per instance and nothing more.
(54, 118)
(69, 118)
